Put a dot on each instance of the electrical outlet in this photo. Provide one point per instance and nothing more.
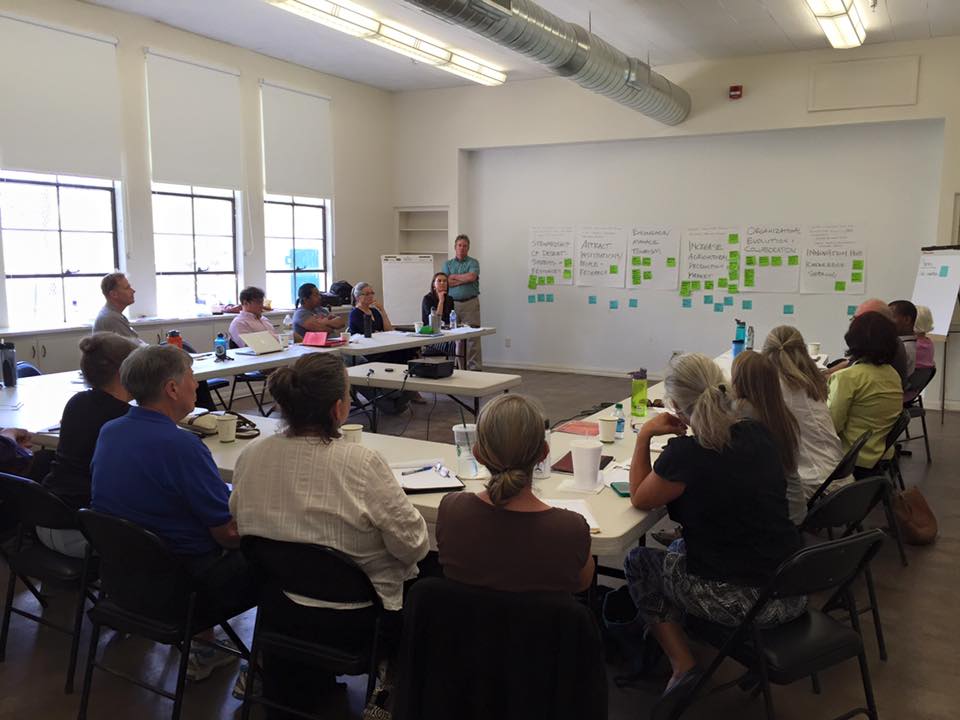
(506, 342)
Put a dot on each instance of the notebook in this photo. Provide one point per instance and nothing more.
(321, 339)
(259, 343)
(565, 464)
(422, 476)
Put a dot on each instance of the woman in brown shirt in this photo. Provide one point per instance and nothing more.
(505, 538)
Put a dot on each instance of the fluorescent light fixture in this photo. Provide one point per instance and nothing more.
(840, 21)
(360, 22)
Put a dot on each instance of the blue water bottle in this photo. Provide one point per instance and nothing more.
(739, 339)
(220, 346)
(453, 319)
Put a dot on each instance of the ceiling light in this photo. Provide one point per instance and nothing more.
(359, 22)
(840, 21)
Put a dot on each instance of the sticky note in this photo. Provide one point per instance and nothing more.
(647, 262)
(685, 288)
(747, 304)
(718, 307)
(614, 269)
(708, 284)
(532, 282)
(788, 309)
(636, 260)
(728, 301)
(840, 286)
(734, 254)
(722, 282)
(858, 264)
(550, 279)
(793, 260)
(751, 260)
(776, 261)
(531, 299)
(541, 280)
(708, 299)
(633, 302)
(856, 277)
(648, 275)
(567, 275)
(568, 262)
(694, 285)
(733, 238)
(733, 289)
(592, 300)
(636, 277)
(549, 297)
(671, 262)
(944, 270)
(541, 297)
(614, 304)
(851, 310)
(748, 277)
(733, 275)
(687, 303)
(764, 261)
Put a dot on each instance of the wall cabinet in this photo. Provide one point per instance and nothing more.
(424, 230)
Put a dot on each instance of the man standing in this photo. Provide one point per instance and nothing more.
(118, 294)
(250, 319)
(463, 274)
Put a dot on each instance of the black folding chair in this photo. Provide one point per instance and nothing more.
(913, 404)
(891, 468)
(846, 509)
(249, 378)
(320, 573)
(804, 646)
(144, 590)
(843, 469)
(31, 560)
(26, 369)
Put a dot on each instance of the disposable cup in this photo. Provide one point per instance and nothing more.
(608, 429)
(813, 349)
(352, 433)
(464, 437)
(586, 463)
(227, 428)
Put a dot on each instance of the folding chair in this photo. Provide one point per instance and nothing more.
(913, 404)
(843, 469)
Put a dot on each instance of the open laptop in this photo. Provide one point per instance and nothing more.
(259, 343)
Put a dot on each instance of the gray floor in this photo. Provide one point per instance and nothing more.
(917, 605)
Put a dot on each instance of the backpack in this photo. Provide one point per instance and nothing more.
(343, 290)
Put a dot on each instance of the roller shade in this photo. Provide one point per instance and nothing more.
(297, 143)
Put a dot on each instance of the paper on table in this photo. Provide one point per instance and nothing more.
(578, 506)
(428, 479)
(616, 473)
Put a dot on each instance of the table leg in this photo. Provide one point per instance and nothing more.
(373, 410)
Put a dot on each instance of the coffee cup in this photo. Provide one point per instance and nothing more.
(227, 427)
(813, 349)
(586, 463)
(608, 429)
(352, 432)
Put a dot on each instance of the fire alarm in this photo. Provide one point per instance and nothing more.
(736, 92)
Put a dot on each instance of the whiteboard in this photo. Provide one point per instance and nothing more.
(936, 286)
(406, 279)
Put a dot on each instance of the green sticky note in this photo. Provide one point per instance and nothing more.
(718, 307)
(748, 277)
(567, 275)
(614, 269)
(568, 262)
(592, 300)
(549, 297)
(541, 280)
(721, 282)
(732, 289)
(685, 288)
(636, 260)
(728, 301)
(734, 254)
(747, 304)
(708, 299)
(550, 279)
(788, 309)
(776, 261)
(751, 260)
(614, 304)
(856, 277)
(687, 303)
(840, 286)
(851, 310)
(541, 297)
(633, 302)
(636, 276)
(708, 284)
(764, 261)
(532, 282)
(648, 275)
(694, 285)
(531, 298)
(671, 262)
(733, 275)
(858, 264)
(793, 260)
(647, 262)
(944, 270)
(733, 238)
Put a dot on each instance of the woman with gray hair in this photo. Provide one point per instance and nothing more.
(725, 483)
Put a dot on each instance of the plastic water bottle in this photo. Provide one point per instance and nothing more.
(453, 319)
(220, 346)
(542, 469)
(621, 421)
(286, 336)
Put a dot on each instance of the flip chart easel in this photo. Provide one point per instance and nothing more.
(938, 287)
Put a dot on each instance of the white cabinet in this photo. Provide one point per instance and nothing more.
(55, 352)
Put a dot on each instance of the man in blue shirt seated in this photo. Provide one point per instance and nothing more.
(152, 473)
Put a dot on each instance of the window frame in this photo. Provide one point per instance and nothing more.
(293, 204)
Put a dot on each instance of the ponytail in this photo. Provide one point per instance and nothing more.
(696, 388)
(509, 443)
(787, 351)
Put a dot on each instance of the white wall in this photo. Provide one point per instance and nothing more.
(362, 142)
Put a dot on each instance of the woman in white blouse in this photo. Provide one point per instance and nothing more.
(308, 485)
(805, 394)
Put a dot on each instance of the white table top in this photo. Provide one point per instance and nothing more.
(40, 400)
(462, 382)
(399, 340)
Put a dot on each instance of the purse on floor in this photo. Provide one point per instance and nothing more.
(918, 524)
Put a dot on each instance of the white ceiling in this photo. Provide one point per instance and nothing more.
(666, 31)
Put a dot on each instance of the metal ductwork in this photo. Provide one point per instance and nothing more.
(568, 50)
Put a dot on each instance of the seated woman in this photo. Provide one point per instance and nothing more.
(921, 327)
(311, 316)
(84, 414)
(757, 396)
(308, 485)
(485, 539)
(805, 394)
(725, 483)
(868, 394)
(438, 301)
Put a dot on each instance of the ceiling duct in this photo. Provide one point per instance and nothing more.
(568, 50)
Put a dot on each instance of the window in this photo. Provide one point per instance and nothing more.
(194, 238)
(296, 245)
(59, 236)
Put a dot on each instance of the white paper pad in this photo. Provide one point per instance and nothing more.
(578, 506)
(569, 486)
(424, 480)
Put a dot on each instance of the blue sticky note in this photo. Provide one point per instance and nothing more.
(614, 304)
(718, 307)
(633, 303)
(788, 309)
(531, 299)
(728, 301)
(687, 302)
(747, 304)
(541, 297)
(944, 270)
(549, 297)
(708, 299)
(851, 310)
(592, 300)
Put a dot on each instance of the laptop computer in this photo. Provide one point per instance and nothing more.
(259, 343)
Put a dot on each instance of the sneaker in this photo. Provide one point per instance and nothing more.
(667, 536)
(243, 677)
(204, 660)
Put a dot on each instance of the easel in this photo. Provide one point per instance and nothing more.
(946, 337)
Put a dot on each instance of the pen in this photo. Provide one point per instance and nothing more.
(416, 470)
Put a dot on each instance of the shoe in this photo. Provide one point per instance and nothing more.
(243, 677)
(666, 537)
(204, 660)
(418, 399)
(676, 695)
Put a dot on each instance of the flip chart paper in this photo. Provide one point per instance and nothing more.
(601, 255)
(550, 252)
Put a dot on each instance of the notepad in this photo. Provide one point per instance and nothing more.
(580, 427)
(425, 481)
(320, 339)
(565, 464)
(578, 506)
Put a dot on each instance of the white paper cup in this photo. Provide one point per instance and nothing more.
(352, 433)
(586, 463)
(813, 349)
(608, 429)
(417, 326)
(464, 437)
(227, 428)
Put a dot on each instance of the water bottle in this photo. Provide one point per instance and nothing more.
(750, 338)
(286, 332)
(174, 338)
(435, 322)
(367, 325)
(638, 393)
(8, 359)
(542, 469)
(621, 421)
(220, 347)
(741, 333)
(453, 319)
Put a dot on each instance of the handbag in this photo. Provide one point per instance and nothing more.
(918, 524)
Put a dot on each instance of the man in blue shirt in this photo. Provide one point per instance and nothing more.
(463, 276)
(152, 473)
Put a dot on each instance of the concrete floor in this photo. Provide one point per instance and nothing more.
(917, 606)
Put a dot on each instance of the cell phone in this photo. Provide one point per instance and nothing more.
(621, 488)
